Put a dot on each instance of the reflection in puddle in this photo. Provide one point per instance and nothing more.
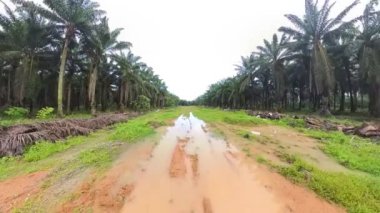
(190, 171)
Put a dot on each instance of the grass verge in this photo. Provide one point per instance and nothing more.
(350, 151)
(355, 193)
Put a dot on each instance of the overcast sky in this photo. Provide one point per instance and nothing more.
(194, 43)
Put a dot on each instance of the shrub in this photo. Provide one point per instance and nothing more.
(46, 112)
(142, 104)
(16, 112)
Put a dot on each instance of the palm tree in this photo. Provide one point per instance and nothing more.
(12, 42)
(24, 37)
(275, 53)
(128, 66)
(70, 36)
(100, 44)
(343, 48)
(74, 18)
(317, 25)
(369, 54)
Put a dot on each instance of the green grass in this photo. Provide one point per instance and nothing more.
(240, 117)
(356, 193)
(45, 149)
(230, 117)
(261, 159)
(96, 157)
(10, 122)
(43, 155)
(351, 151)
(289, 122)
(245, 134)
(144, 125)
(131, 131)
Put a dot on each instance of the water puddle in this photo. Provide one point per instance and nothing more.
(190, 171)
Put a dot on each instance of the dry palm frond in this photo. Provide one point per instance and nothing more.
(14, 140)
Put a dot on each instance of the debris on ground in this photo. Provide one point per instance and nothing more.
(14, 139)
(366, 130)
(266, 115)
(316, 123)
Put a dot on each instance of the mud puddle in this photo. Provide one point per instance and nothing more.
(190, 171)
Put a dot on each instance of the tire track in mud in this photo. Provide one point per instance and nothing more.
(194, 165)
(207, 205)
(178, 162)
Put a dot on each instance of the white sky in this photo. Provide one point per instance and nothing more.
(194, 43)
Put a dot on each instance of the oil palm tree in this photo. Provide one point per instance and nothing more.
(100, 44)
(275, 53)
(24, 37)
(316, 25)
(128, 67)
(73, 18)
(369, 54)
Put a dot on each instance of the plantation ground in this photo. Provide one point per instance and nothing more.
(208, 161)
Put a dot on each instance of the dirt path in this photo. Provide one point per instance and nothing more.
(190, 171)
(18, 190)
(275, 140)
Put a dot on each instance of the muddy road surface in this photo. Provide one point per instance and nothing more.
(185, 168)
(192, 171)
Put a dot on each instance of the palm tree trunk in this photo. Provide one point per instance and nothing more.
(46, 95)
(375, 100)
(342, 100)
(335, 94)
(325, 111)
(123, 96)
(24, 72)
(103, 97)
(61, 77)
(9, 87)
(92, 89)
(68, 110)
(361, 99)
(349, 82)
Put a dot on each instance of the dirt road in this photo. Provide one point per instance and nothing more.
(191, 171)
(188, 169)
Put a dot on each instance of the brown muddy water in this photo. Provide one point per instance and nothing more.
(192, 171)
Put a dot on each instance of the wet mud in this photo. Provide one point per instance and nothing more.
(191, 171)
